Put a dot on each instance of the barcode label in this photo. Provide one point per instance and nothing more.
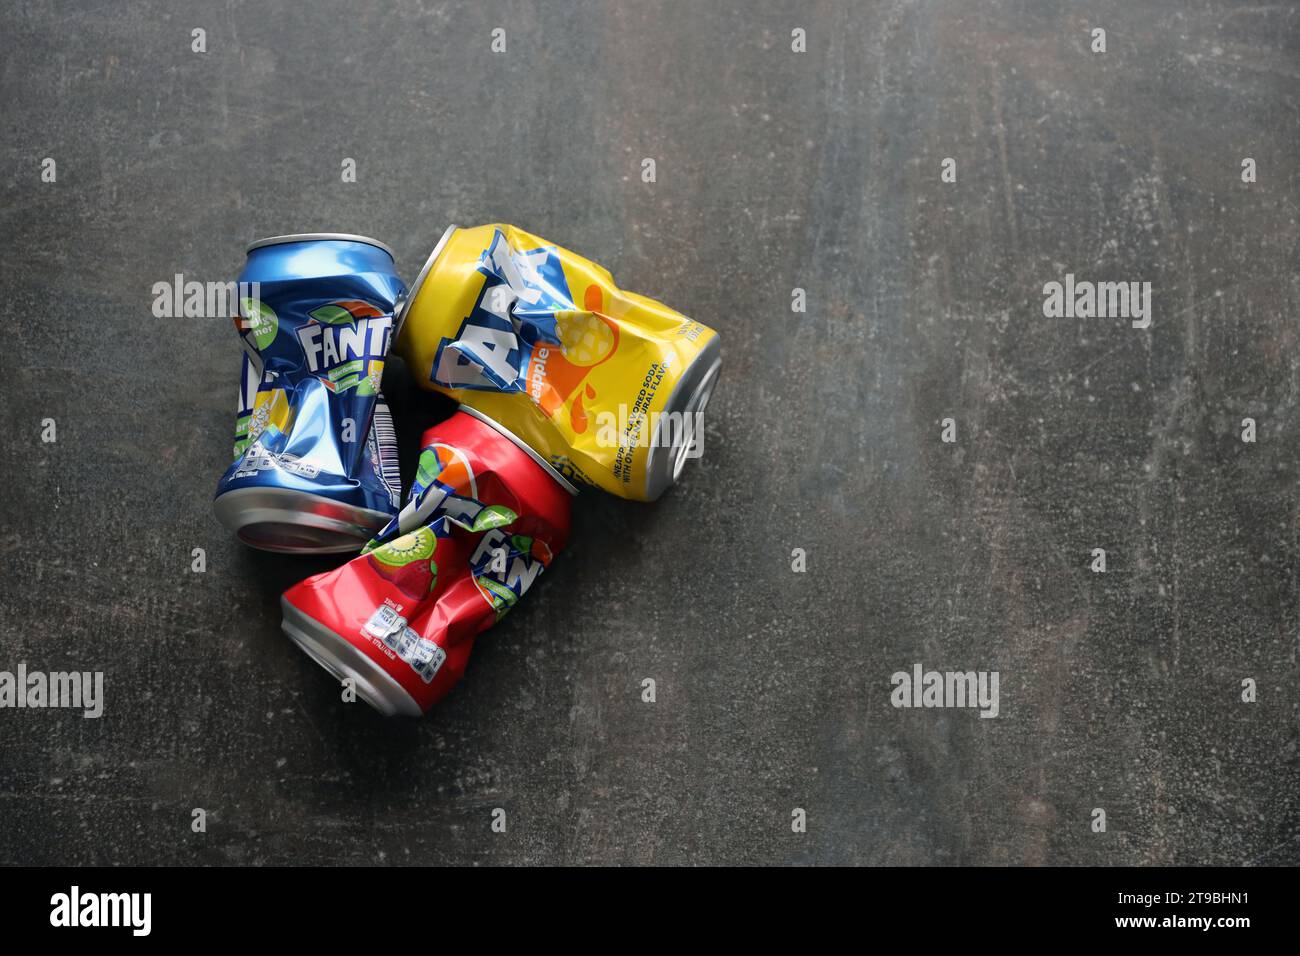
(384, 437)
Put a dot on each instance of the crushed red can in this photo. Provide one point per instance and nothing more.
(485, 517)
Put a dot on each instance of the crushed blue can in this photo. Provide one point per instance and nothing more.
(315, 469)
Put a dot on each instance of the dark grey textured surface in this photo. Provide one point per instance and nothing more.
(775, 170)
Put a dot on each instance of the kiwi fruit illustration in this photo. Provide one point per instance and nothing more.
(418, 545)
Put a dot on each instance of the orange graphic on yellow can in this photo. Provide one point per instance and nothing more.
(542, 341)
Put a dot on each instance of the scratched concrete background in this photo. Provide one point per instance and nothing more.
(776, 170)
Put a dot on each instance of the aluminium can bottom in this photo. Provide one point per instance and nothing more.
(290, 521)
(345, 660)
(671, 447)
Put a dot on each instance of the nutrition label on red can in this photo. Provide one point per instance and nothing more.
(422, 654)
(385, 621)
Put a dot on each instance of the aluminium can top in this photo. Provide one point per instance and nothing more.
(492, 423)
(315, 236)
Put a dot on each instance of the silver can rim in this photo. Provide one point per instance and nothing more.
(528, 449)
(342, 528)
(344, 660)
(665, 461)
(319, 237)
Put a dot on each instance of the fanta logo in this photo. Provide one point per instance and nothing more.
(481, 357)
(509, 560)
(343, 332)
(445, 493)
(516, 308)
(444, 484)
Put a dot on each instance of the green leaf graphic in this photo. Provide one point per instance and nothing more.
(427, 469)
(493, 516)
(333, 315)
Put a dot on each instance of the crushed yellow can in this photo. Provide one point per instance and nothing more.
(608, 386)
